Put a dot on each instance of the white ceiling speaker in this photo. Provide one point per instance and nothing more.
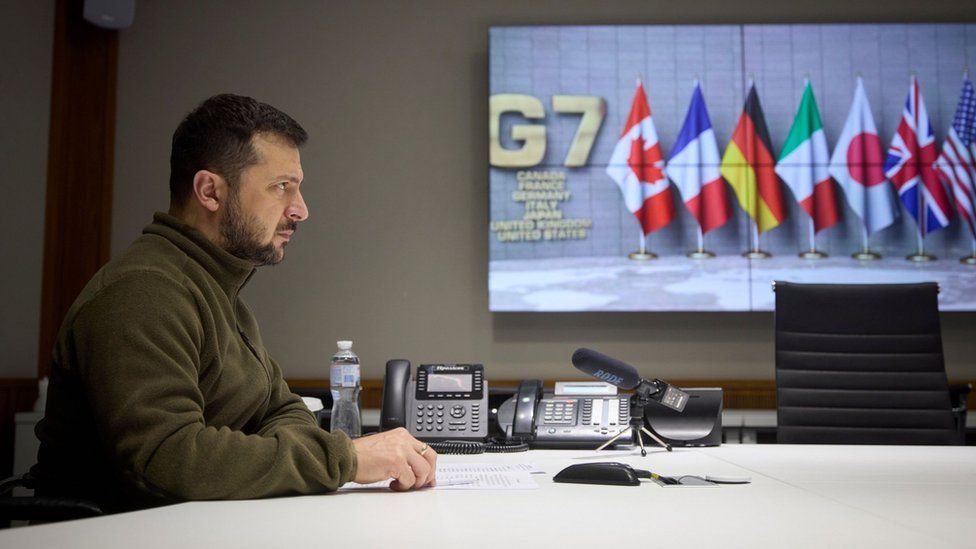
(110, 14)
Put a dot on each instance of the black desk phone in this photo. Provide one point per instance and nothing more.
(443, 401)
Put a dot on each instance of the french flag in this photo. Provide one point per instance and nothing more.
(911, 165)
(694, 167)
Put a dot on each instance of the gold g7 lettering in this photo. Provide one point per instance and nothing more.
(533, 136)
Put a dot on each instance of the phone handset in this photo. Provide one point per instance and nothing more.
(528, 396)
(393, 410)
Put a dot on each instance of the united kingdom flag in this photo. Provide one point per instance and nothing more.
(912, 160)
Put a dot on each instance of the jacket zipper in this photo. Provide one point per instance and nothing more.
(267, 371)
(249, 346)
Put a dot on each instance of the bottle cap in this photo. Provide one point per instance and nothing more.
(344, 345)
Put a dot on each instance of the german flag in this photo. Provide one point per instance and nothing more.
(749, 166)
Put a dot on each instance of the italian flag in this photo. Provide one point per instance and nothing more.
(804, 164)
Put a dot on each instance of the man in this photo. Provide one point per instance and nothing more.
(161, 389)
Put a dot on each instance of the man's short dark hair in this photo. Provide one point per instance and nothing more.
(217, 135)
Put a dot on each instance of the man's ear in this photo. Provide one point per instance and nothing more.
(209, 189)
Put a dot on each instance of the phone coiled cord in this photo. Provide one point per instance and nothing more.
(470, 447)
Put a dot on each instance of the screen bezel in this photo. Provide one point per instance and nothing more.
(475, 371)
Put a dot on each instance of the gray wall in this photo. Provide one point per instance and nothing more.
(394, 255)
(26, 35)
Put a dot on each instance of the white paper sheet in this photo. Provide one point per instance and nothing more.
(472, 476)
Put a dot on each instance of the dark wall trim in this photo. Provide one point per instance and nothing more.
(81, 153)
(755, 394)
(738, 393)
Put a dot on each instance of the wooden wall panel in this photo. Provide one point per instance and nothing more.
(81, 150)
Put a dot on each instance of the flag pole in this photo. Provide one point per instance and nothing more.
(813, 252)
(701, 253)
(920, 256)
(865, 254)
(642, 254)
(755, 252)
(971, 258)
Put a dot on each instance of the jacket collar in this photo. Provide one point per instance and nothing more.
(230, 271)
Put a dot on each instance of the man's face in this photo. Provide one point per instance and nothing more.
(264, 207)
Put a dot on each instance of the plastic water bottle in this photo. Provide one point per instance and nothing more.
(344, 385)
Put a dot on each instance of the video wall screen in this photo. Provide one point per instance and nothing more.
(684, 168)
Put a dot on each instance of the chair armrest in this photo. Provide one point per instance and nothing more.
(957, 398)
(40, 509)
(17, 481)
(958, 394)
(46, 509)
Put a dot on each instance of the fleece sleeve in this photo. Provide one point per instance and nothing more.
(140, 346)
(286, 411)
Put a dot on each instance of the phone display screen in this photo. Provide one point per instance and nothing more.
(449, 383)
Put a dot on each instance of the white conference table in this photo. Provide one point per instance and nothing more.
(800, 496)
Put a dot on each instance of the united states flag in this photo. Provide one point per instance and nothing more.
(910, 165)
(956, 164)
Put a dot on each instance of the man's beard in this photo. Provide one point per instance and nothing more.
(241, 235)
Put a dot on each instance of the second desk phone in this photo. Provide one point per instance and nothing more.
(575, 414)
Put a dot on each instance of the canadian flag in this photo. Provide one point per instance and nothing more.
(637, 166)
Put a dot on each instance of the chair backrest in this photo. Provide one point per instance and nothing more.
(861, 364)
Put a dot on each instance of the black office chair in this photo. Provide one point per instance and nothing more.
(39, 509)
(862, 364)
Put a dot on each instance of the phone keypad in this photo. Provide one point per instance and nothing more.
(559, 412)
(430, 418)
(599, 419)
(616, 413)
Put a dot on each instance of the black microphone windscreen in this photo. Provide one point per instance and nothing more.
(605, 368)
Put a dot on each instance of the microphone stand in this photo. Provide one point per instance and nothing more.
(640, 399)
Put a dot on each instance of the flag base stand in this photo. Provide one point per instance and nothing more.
(700, 254)
(920, 257)
(812, 254)
(757, 254)
(642, 255)
(866, 255)
(968, 260)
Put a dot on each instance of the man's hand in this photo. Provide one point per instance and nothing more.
(395, 454)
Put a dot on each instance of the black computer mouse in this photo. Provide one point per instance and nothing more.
(606, 472)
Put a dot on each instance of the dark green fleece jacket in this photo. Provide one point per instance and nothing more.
(162, 390)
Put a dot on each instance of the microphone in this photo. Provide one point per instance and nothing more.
(605, 368)
(623, 375)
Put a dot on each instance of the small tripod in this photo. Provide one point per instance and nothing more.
(640, 399)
